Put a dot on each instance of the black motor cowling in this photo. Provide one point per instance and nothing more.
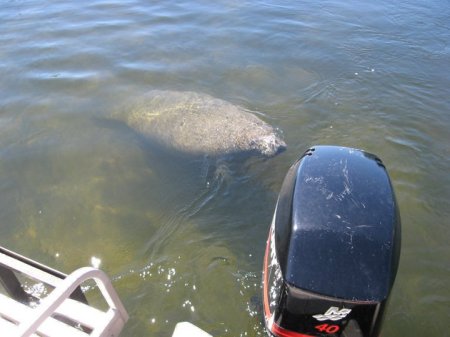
(333, 247)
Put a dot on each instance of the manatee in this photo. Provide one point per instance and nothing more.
(200, 124)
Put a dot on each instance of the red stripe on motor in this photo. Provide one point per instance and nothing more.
(267, 312)
(280, 332)
(273, 327)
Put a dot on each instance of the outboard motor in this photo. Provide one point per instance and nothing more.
(333, 247)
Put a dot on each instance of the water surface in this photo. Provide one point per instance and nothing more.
(183, 238)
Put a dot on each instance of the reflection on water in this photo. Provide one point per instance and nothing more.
(183, 237)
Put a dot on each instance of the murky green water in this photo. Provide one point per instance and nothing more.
(183, 238)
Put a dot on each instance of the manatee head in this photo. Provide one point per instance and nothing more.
(268, 145)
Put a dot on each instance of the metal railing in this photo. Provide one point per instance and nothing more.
(64, 311)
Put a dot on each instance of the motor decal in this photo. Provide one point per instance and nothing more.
(333, 314)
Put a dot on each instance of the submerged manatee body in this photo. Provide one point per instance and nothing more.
(200, 124)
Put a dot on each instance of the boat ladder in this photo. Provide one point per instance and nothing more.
(65, 311)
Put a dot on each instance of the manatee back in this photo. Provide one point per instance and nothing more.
(198, 124)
